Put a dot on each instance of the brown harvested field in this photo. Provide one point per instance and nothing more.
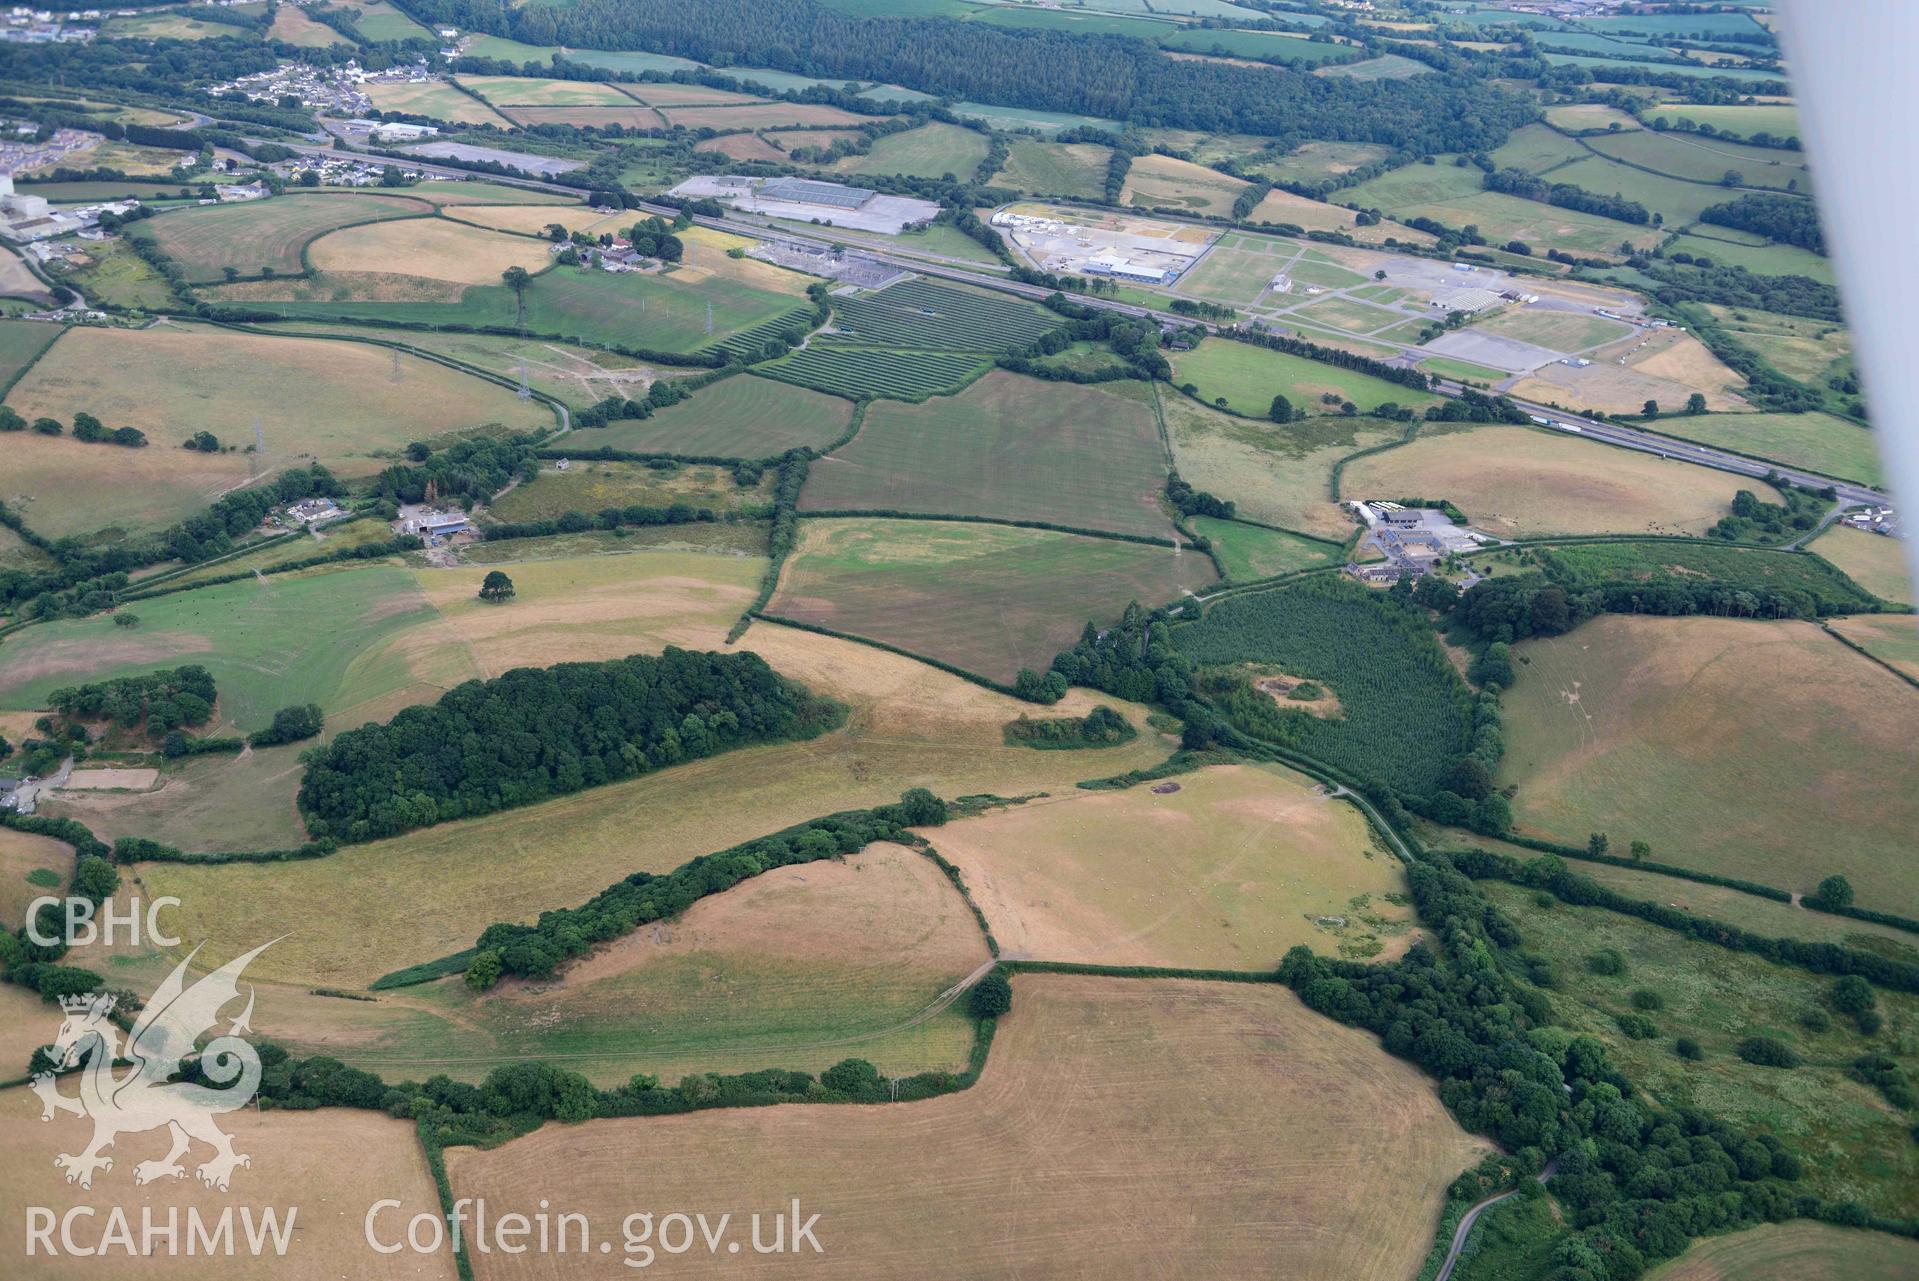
(1877, 563)
(1156, 182)
(16, 281)
(1283, 207)
(1516, 481)
(435, 248)
(1890, 638)
(296, 1162)
(909, 726)
(759, 116)
(630, 115)
(1800, 1250)
(533, 220)
(1089, 1147)
(1761, 750)
(317, 400)
(1279, 475)
(22, 854)
(743, 146)
(1239, 864)
(797, 969)
(990, 599)
(588, 608)
(26, 1024)
(291, 25)
(1662, 365)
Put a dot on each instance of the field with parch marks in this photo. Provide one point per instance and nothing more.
(1082, 1096)
(263, 237)
(988, 599)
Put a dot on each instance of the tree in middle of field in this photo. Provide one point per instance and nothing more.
(496, 587)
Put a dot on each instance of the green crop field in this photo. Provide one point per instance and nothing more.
(1267, 46)
(1253, 551)
(255, 636)
(930, 151)
(744, 416)
(919, 313)
(1599, 66)
(1762, 750)
(1248, 377)
(262, 236)
(1707, 160)
(1808, 350)
(1072, 169)
(1008, 447)
(654, 312)
(1818, 442)
(1677, 201)
(886, 372)
(989, 599)
(1405, 713)
(1855, 1148)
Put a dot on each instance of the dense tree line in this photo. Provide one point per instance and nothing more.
(1679, 282)
(1476, 407)
(1103, 76)
(212, 532)
(1101, 727)
(1334, 356)
(161, 700)
(536, 733)
(1517, 182)
(535, 951)
(1195, 502)
(1790, 220)
(574, 522)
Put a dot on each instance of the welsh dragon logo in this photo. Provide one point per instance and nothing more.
(146, 1097)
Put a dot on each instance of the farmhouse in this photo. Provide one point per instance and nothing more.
(314, 511)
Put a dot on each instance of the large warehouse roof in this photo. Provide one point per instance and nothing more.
(805, 192)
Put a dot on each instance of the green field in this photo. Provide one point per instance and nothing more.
(1566, 331)
(1818, 442)
(1854, 1146)
(299, 546)
(1266, 46)
(1874, 561)
(1763, 260)
(1707, 160)
(1781, 120)
(262, 237)
(1253, 551)
(1076, 169)
(1797, 1251)
(1536, 148)
(1598, 66)
(1318, 161)
(379, 21)
(1742, 568)
(593, 486)
(1455, 196)
(1677, 201)
(1760, 750)
(1248, 377)
(255, 636)
(988, 599)
(1010, 448)
(21, 342)
(1810, 351)
(919, 313)
(1389, 67)
(522, 91)
(930, 151)
(888, 372)
(743, 416)
(1277, 474)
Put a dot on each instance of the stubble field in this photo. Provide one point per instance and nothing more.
(1084, 1118)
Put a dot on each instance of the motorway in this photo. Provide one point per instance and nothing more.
(1637, 438)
